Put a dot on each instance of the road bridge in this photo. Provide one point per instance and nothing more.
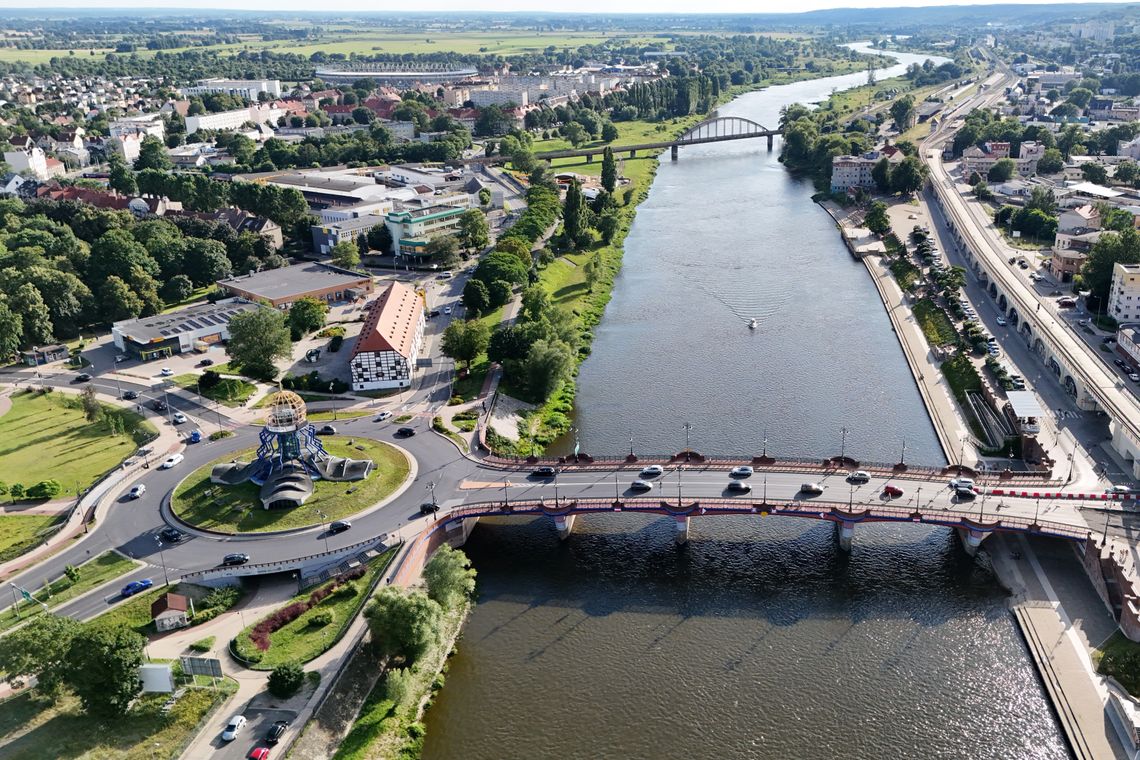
(718, 129)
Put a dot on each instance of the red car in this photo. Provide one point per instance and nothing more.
(258, 753)
(892, 492)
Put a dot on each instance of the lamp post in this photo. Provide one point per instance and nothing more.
(556, 489)
(902, 458)
(631, 445)
(687, 427)
(765, 491)
(617, 492)
(431, 487)
(764, 453)
(843, 444)
(1036, 510)
(506, 496)
(679, 486)
(1104, 538)
(162, 558)
(325, 533)
(166, 400)
(334, 404)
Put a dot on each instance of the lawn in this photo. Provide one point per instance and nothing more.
(344, 414)
(92, 573)
(135, 612)
(1119, 657)
(231, 391)
(936, 326)
(32, 730)
(301, 640)
(906, 273)
(22, 533)
(46, 436)
(237, 509)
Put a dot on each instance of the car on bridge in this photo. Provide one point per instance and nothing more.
(135, 587)
(811, 489)
(1118, 490)
(1001, 321)
(231, 560)
(738, 486)
(962, 493)
(130, 395)
(956, 483)
(640, 485)
(859, 476)
(743, 471)
(892, 492)
(652, 471)
(429, 508)
(544, 472)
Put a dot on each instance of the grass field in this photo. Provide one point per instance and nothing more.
(936, 326)
(1119, 657)
(32, 730)
(21, 533)
(94, 572)
(135, 611)
(230, 391)
(237, 509)
(41, 437)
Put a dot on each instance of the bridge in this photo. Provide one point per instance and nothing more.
(717, 129)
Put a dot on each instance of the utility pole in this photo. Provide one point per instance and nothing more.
(843, 444)
(506, 496)
(162, 557)
(679, 486)
(324, 519)
(902, 459)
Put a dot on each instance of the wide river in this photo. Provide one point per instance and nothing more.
(760, 639)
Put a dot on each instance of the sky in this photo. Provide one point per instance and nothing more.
(584, 6)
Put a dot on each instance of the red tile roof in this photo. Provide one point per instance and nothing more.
(167, 602)
(392, 321)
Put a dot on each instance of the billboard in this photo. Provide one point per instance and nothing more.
(202, 666)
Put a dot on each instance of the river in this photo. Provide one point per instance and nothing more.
(760, 639)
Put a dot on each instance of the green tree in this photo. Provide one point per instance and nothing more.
(39, 650)
(92, 409)
(498, 265)
(463, 341)
(286, 679)
(443, 250)
(11, 330)
(476, 299)
(575, 133)
(908, 176)
(535, 303)
(608, 225)
(609, 170)
(120, 176)
(117, 301)
(1002, 170)
(205, 261)
(574, 216)
(258, 338)
(1126, 172)
(609, 132)
(449, 576)
(103, 668)
(517, 248)
(1043, 199)
(1110, 249)
(35, 317)
(1050, 162)
(346, 254)
(153, 155)
(380, 238)
(473, 230)
(592, 272)
(902, 111)
(1081, 97)
(877, 220)
(548, 365)
(485, 195)
(499, 292)
(881, 175)
(177, 289)
(403, 625)
(307, 315)
(1095, 172)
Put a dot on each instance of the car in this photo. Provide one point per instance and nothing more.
(640, 485)
(962, 483)
(429, 508)
(811, 489)
(172, 535)
(743, 471)
(179, 418)
(965, 494)
(235, 559)
(130, 395)
(892, 492)
(135, 587)
(195, 437)
(1012, 259)
(339, 526)
(1066, 303)
(1118, 490)
(446, 309)
(1002, 321)
(433, 313)
(1055, 293)
(206, 363)
(1023, 264)
(544, 472)
(158, 405)
(326, 430)
(859, 476)
(120, 358)
(82, 377)
(652, 471)
(166, 372)
(1134, 377)
(739, 486)
(171, 460)
(383, 416)
(406, 432)
(1120, 363)
(137, 491)
(258, 753)
(276, 731)
(233, 727)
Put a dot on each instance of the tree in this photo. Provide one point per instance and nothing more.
(1050, 162)
(449, 576)
(103, 668)
(443, 250)
(39, 650)
(592, 272)
(476, 299)
(177, 289)
(535, 303)
(1081, 97)
(574, 217)
(1002, 170)
(205, 261)
(402, 624)
(306, 315)
(902, 111)
(609, 170)
(286, 679)
(92, 409)
(508, 343)
(1127, 172)
(117, 301)
(609, 132)
(548, 365)
(1110, 249)
(877, 220)
(380, 238)
(120, 177)
(463, 341)
(974, 179)
(346, 254)
(608, 225)
(473, 231)
(362, 115)
(499, 265)
(908, 176)
(1043, 199)
(153, 155)
(575, 133)
(258, 338)
(485, 195)
(881, 175)
(1095, 172)
(517, 247)
(35, 317)
(11, 330)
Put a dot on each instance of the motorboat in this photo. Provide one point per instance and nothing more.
(753, 324)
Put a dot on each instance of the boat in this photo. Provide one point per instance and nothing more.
(752, 324)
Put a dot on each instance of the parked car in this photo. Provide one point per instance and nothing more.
(235, 559)
(120, 358)
(179, 418)
(892, 492)
(640, 485)
(1001, 321)
(172, 535)
(135, 587)
(172, 460)
(166, 372)
(446, 309)
(258, 753)
(326, 430)
(433, 313)
(743, 471)
(429, 508)
(406, 432)
(206, 363)
(276, 731)
(739, 486)
(811, 489)
(383, 416)
(1120, 363)
(130, 395)
(339, 526)
(652, 471)
(137, 491)
(82, 377)
(544, 472)
(859, 476)
(233, 727)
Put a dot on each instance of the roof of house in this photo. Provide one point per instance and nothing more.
(160, 327)
(392, 321)
(169, 603)
(294, 281)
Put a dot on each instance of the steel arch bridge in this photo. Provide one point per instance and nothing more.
(724, 128)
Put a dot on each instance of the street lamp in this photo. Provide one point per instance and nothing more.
(324, 519)
(765, 490)
(687, 427)
(902, 459)
(331, 385)
(679, 485)
(162, 557)
(506, 498)
(843, 444)
(556, 489)
(431, 487)
(764, 453)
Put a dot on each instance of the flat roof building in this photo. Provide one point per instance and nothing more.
(194, 328)
(389, 343)
(1124, 293)
(281, 287)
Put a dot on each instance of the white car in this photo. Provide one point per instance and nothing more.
(171, 461)
(137, 491)
(652, 471)
(166, 372)
(446, 309)
(1001, 321)
(1118, 490)
(957, 483)
(179, 418)
(383, 416)
(236, 723)
(742, 471)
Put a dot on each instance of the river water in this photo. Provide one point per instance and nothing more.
(760, 639)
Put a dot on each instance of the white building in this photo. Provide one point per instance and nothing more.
(246, 88)
(145, 124)
(390, 340)
(853, 171)
(412, 230)
(235, 119)
(1101, 31)
(1131, 148)
(31, 159)
(191, 329)
(496, 97)
(1124, 294)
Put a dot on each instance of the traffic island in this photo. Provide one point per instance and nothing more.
(238, 508)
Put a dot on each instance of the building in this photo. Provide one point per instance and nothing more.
(413, 230)
(170, 611)
(1099, 31)
(849, 172)
(146, 124)
(389, 343)
(1124, 294)
(235, 119)
(395, 77)
(1128, 344)
(327, 235)
(44, 355)
(194, 328)
(31, 160)
(281, 287)
(249, 89)
(241, 221)
(1085, 217)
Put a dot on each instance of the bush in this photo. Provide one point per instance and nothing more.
(321, 619)
(209, 379)
(397, 685)
(72, 573)
(45, 489)
(224, 597)
(218, 435)
(286, 680)
(335, 343)
(203, 645)
(347, 590)
(205, 615)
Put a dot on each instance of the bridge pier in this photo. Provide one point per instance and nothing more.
(589, 158)
(633, 154)
(459, 530)
(682, 534)
(845, 531)
(971, 539)
(565, 525)
(769, 143)
(673, 152)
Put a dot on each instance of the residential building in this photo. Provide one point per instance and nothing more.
(30, 159)
(249, 89)
(170, 611)
(281, 287)
(1070, 251)
(1128, 343)
(1129, 148)
(413, 230)
(241, 221)
(1100, 31)
(235, 119)
(327, 235)
(848, 172)
(144, 124)
(390, 340)
(128, 146)
(1124, 293)
(403, 79)
(1085, 217)
(194, 328)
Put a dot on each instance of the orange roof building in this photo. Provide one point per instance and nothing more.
(389, 343)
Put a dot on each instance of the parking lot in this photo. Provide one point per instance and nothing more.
(251, 735)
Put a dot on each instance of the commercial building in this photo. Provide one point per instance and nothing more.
(194, 328)
(44, 355)
(389, 343)
(246, 88)
(1124, 294)
(281, 287)
(850, 172)
(327, 235)
(413, 230)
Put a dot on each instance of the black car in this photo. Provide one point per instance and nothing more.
(206, 363)
(158, 405)
(172, 535)
(434, 313)
(739, 485)
(429, 508)
(130, 395)
(406, 432)
(276, 731)
(82, 377)
(326, 430)
(339, 526)
(544, 472)
(235, 559)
